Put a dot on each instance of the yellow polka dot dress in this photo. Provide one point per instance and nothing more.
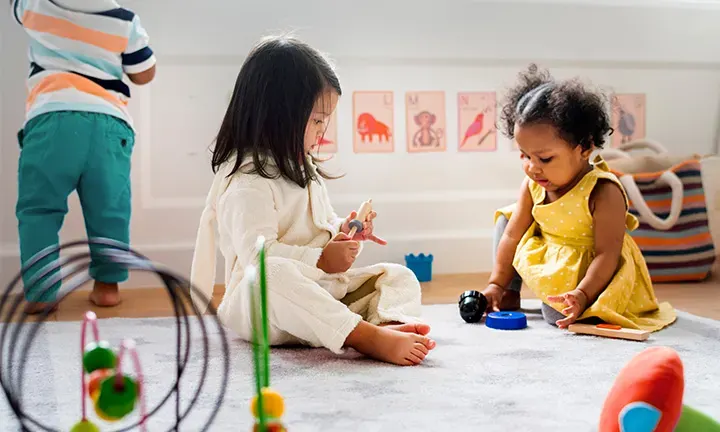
(554, 254)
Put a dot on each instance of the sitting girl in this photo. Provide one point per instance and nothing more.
(566, 236)
(268, 184)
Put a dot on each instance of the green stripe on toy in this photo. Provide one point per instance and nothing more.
(692, 420)
(267, 405)
(263, 308)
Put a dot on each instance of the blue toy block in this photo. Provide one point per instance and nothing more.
(421, 265)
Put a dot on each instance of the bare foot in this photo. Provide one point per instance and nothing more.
(105, 294)
(388, 345)
(33, 308)
(421, 329)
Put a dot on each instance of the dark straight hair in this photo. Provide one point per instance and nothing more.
(275, 92)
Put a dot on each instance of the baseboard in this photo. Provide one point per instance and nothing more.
(475, 259)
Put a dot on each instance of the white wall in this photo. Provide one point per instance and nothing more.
(441, 204)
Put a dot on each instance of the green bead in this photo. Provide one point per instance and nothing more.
(117, 403)
(98, 356)
(85, 426)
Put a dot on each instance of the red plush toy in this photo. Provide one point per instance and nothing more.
(647, 394)
(648, 397)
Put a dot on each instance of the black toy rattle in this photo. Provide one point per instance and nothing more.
(472, 306)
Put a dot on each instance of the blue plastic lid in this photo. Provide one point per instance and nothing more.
(506, 320)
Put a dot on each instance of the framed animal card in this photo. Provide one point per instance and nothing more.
(425, 118)
(328, 142)
(628, 118)
(476, 121)
(373, 122)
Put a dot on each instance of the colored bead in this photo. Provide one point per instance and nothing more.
(270, 427)
(116, 403)
(84, 426)
(98, 356)
(102, 415)
(356, 224)
(273, 403)
(97, 377)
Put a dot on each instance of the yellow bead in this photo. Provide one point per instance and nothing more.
(273, 404)
(85, 426)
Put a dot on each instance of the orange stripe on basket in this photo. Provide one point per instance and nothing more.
(667, 203)
(656, 174)
(684, 277)
(652, 241)
(66, 29)
(63, 81)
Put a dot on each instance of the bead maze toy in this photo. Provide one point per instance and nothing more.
(105, 381)
(114, 394)
(268, 405)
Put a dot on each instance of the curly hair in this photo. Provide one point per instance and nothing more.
(579, 115)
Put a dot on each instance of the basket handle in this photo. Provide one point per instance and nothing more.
(669, 178)
(612, 154)
(642, 144)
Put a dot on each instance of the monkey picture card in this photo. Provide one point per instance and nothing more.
(476, 121)
(373, 117)
(328, 142)
(628, 118)
(425, 118)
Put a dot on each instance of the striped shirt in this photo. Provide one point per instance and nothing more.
(80, 52)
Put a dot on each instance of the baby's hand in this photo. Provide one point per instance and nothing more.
(367, 232)
(493, 294)
(576, 302)
(338, 255)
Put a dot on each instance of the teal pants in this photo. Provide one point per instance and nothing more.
(62, 152)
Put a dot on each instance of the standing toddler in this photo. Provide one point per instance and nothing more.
(78, 134)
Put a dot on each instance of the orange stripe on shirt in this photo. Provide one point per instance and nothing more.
(66, 29)
(61, 81)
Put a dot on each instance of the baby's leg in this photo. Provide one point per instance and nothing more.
(550, 315)
(396, 297)
(511, 296)
(51, 161)
(105, 197)
(372, 292)
(300, 310)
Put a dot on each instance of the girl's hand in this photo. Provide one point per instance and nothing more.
(367, 232)
(493, 294)
(338, 255)
(576, 302)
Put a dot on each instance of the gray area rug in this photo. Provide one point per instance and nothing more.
(537, 379)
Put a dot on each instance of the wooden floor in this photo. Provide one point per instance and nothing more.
(701, 299)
